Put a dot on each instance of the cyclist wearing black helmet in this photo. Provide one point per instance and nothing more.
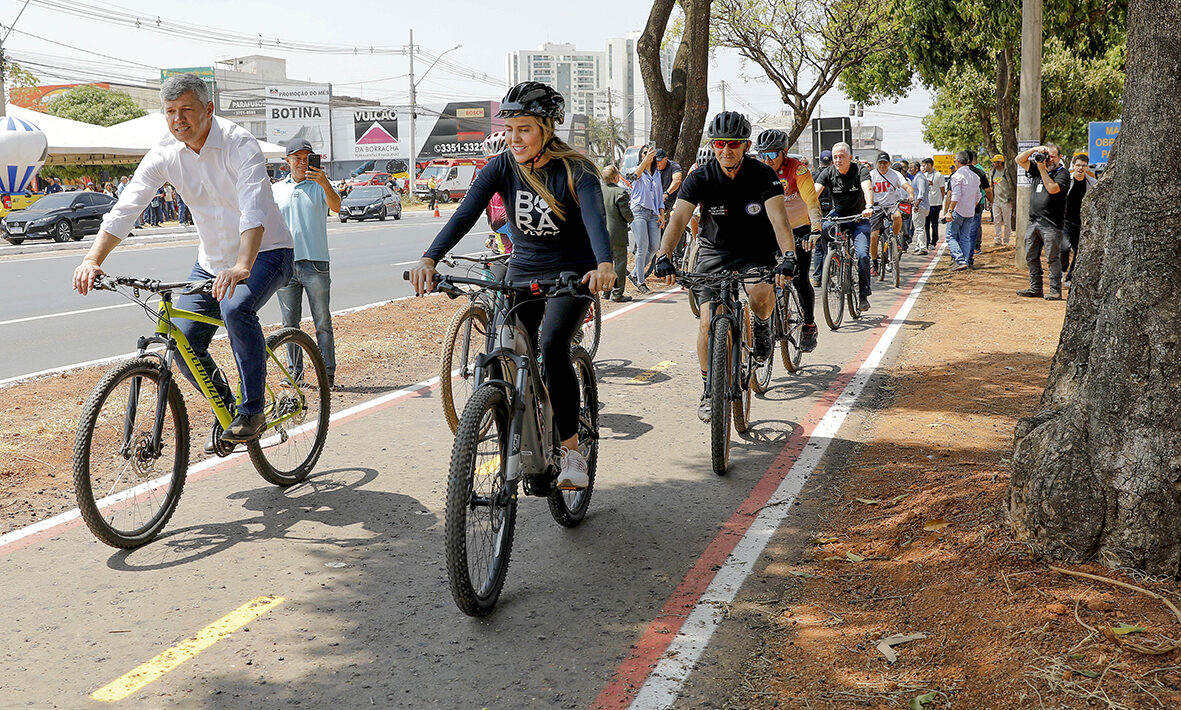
(555, 211)
(803, 211)
(743, 222)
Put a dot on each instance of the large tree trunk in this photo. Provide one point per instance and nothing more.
(678, 109)
(1097, 473)
(1007, 122)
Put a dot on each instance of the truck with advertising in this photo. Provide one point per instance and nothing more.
(453, 177)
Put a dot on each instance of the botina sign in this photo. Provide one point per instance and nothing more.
(299, 112)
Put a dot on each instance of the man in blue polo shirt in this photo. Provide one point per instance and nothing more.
(304, 198)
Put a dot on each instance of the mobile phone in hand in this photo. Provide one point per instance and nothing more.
(314, 161)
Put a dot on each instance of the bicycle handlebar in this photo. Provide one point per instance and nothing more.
(758, 273)
(105, 282)
(450, 259)
(568, 283)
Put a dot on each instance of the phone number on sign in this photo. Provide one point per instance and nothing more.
(458, 147)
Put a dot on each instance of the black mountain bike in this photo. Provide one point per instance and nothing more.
(732, 361)
(787, 325)
(506, 441)
(840, 281)
(891, 250)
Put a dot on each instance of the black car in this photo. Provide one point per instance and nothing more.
(62, 217)
(370, 202)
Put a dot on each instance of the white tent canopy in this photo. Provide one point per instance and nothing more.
(74, 142)
(146, 131)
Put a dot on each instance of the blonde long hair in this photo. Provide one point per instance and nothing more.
(558, 149)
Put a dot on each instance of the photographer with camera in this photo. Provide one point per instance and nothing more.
(1047, 205)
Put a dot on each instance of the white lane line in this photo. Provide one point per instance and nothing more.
(664, 683)
(408, 391)
(64, 313)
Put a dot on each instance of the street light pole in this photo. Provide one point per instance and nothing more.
(414, 100)
(1029, 128)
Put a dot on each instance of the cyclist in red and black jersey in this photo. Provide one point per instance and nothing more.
(803, 211)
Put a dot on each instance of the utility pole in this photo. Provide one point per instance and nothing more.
(610, 126)
(1029, 124)
(411, 163)
(723, 94)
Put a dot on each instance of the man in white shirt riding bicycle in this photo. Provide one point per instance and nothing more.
(889, 187)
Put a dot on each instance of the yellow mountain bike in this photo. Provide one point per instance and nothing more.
(131, 451)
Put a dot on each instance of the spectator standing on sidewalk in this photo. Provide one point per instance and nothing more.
(1080, 184)
(922, 208)
(156, 208)
(1047, 211)
(121, 186)
(647, 205)
(935, 180)
(1002, 203)
(433, 188)
(959, 208)
(617, 202)
(304, 197)
(169, 202)
(985, 197)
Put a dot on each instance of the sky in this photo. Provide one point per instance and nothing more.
(80, 46)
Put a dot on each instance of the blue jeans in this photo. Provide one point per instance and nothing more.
(314, 278)
(861, 232)
(271, 270)
(976, 231)
(646, 230)
(961, 239)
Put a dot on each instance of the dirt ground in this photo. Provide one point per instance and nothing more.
(379, 350)
(910, 536)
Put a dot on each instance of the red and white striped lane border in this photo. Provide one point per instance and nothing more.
(22, 537)
(666, 653)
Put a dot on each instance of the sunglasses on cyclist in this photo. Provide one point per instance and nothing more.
(722, 144)
(769, 154)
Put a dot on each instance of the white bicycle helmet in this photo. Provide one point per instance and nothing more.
(495, 144)
(704, 154)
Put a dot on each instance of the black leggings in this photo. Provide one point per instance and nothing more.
(556, 319)
(803, 274)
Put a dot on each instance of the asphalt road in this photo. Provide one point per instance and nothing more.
(45, 324)
(346, 570)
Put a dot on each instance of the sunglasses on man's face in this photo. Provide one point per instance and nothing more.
(769, 154)
(722, 144)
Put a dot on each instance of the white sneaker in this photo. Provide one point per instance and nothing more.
(573, 475)
(705, 409)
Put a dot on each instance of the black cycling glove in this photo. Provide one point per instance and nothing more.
(787, 265)
(664, 267)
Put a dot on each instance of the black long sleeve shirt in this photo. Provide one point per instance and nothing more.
(542, 242)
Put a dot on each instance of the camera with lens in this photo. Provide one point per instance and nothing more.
(1040, 157)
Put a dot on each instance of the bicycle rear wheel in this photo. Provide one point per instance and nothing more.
(832, 288)
(744, 354)
(297, 407)
(689, 264)
(721, 378)
(592, 328)
(126, 489)
(792, 323)
(760, 376)
(481, 509)
(569, 507)
(465, 340)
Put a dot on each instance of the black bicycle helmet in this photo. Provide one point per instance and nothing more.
(771, 139)
(729, 124)
(533, 98)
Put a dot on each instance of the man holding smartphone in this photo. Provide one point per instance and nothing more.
(304, 197)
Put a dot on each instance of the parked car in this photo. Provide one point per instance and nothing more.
(370, 202)
(62, 217)
(368, 179)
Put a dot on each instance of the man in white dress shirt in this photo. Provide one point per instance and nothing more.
(245, 246)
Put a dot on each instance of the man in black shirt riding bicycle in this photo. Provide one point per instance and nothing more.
(743, 224)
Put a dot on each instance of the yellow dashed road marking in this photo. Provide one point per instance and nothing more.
(135, 679)
(652, 371)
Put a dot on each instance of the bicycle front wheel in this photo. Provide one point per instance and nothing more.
(592, 328)
(481, 508)
(853, 287)
(297, 406)
(791, 316)
(744, 359)
(832, 287)
(126, 484)
(457, 371)
(721, 378)
(569, 507)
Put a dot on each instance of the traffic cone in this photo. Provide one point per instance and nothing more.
(437, 210)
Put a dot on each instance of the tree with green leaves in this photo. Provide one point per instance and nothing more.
(806, 46)
(607, 141)
(94, 104)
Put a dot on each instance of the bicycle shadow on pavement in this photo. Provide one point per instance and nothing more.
(623, 427)
(333, 499)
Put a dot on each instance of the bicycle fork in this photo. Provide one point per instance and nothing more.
(155, 444)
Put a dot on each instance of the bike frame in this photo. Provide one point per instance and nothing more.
(735, 309)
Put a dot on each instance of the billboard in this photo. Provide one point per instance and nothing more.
(1101, 137)
(375, 134)
(299, 112)
(36, 97)
(205, 73)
